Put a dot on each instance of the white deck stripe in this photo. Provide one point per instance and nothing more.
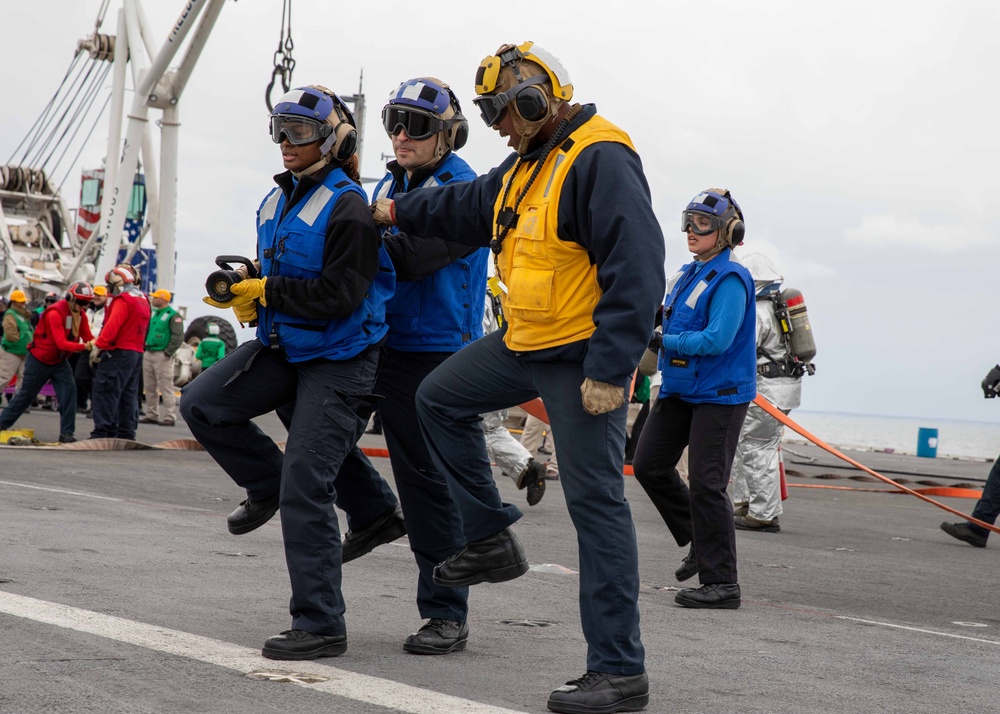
(918, 629)
(58, 490)
(342, 683)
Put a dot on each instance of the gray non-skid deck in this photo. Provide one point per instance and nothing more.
(860, 604)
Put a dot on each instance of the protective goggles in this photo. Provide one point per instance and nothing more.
(416, 123)
(298, 130)
(492, 106)
(688, 223)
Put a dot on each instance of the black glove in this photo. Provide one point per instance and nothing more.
(992, 383)
(656, 341)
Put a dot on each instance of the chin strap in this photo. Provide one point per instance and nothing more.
(312, 169)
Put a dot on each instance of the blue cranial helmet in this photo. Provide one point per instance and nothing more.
(423, 107)
(312, 113)
(722, 211)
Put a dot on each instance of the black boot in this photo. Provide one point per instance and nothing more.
(385, 529)
(299, 644)
(251, 515)
(438, 637)
(689, 566)
(717, 596)
(601, 693)
(494, 559)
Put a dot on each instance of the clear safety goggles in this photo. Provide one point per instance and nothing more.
(688, 222)
(492, 106)
(416, 123)
(298, 130)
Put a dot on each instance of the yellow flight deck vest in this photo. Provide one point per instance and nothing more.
(551, 284)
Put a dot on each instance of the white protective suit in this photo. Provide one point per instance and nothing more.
(505, 451)
(756, 480)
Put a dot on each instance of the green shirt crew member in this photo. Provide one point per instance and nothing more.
(166, 329)
(20, 325)
(165, 335)
(211, 349)
(17, 334)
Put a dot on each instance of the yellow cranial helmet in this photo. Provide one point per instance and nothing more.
(527, 88)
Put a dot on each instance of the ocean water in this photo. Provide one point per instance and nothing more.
(963, 439)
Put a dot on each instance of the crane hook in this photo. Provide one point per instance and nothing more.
(284, 64)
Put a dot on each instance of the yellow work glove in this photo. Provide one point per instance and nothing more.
(245, 310)
(384, 211)
(601, 397)
(250, 289)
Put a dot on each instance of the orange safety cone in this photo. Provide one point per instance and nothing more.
(781, 473)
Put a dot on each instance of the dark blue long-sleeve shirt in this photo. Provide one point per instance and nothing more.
(604, 207)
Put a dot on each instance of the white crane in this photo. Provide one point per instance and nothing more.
(41, 249)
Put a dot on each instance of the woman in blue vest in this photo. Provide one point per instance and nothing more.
(319, 305)
(709, 366)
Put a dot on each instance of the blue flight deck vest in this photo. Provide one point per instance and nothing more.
(727, 378)
(292, 246)
(444, 311)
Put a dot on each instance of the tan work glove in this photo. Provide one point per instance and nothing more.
(95, 357)
(249, 290)
(384, 211)
(601, 397)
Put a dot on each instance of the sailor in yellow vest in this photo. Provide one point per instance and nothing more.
(580, 255)
(17, 333)
(166, 333)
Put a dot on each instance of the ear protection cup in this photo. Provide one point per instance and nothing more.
(346, 141)
(458, 135)
(343, 142)
(531, 103)
(735, 230)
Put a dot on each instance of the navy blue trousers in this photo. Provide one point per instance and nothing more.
(988, 506)
(114, 396)
(434, 523)
(701, 512)
(486, 376)
(36, 374)
(326, 405)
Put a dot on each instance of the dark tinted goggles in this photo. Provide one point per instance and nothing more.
(416, 123)
(298, 130)
(688, 222)
(493, 106)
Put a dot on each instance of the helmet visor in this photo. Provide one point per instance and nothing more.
(298, 130)
(417, 124)
(695, 221)
(492, 106)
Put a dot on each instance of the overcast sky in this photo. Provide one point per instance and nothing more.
(860, 138)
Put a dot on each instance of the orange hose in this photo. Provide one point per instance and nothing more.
(783, 418)
(949, 491)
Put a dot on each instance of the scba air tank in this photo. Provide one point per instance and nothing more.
(801, 341)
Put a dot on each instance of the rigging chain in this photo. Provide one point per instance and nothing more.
(283, 62)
